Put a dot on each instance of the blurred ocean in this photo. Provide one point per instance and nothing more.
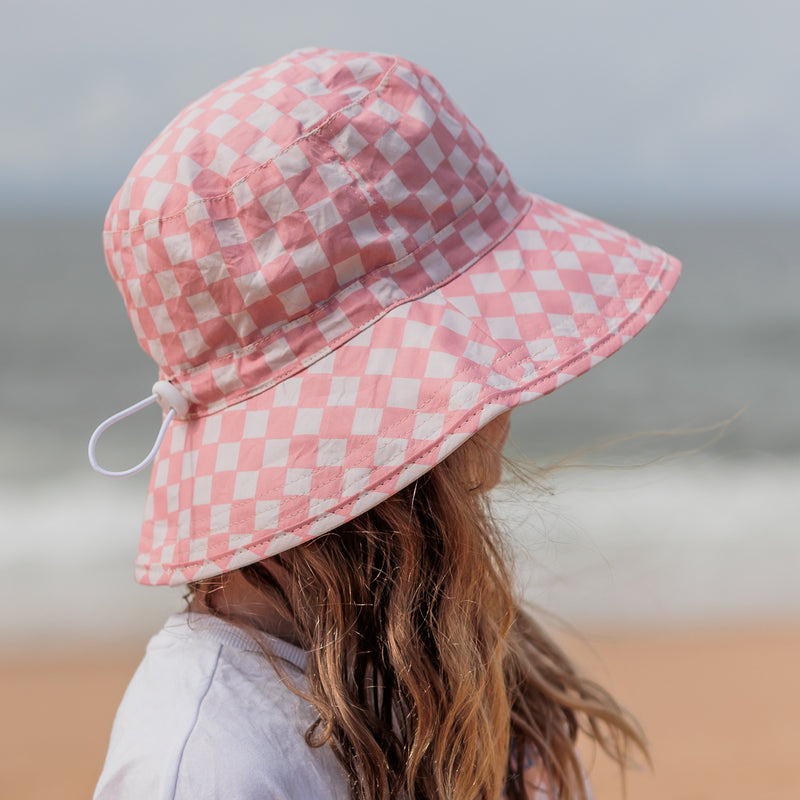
(698, 538)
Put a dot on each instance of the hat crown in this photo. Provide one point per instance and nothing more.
(284, 190)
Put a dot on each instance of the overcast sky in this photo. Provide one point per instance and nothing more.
(690, 105)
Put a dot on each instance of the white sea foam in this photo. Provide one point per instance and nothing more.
(66, 554)
(697, 543)
(700, 542)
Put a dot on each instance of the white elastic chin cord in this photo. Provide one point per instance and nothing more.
(169, 398)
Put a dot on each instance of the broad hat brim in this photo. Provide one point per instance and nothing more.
(560, 293)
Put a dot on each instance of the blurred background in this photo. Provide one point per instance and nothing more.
(678, 121)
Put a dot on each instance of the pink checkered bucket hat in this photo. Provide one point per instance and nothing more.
(340, 283)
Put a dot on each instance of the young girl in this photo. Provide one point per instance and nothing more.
(346, 294)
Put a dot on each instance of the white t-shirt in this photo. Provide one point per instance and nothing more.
(206, 716)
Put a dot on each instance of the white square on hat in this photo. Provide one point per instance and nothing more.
(417, 334)
(380, 361)
(201, 491)
(586, 244)
(278, 203)
(503, 328)
(464, 395)
(430, 152)
(476, 237)
(355, 479)
(204, 306)
(390, 452)
(298, 481)
(287, 394)
(366, 421)
(212, 429)
(525, 302)
(428, 426)
(481, 354)
(170, 288)
(308, 421)
(161, 474)
(567, 259)
(224, 158)
(343, 390)
(266, 515)
(348, 142)
(323, 215)
(547, 280)
(227, 457)
(605, 285)
(307, 112)
(403, 393)
(310, 259)
(292, 162)
(245, 485)
(255, 425)
(392, 146)
(155, 195)
(189, 464)
(331, 452)
(441, 365)
(487, 283)
(333, 175)
(460, 162)
(583, 303)
(276, 453)
(432, 196)
(224, 122)
(229, 232)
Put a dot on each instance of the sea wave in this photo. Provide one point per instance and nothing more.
(697, 542)
(703, 542)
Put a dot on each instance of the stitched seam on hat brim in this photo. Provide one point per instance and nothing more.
(299, 365)
(661, 271)
(307, 135)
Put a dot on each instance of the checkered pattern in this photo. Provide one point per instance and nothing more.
(288, 209)
(329, 262)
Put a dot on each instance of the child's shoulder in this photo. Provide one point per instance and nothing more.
(205, 715)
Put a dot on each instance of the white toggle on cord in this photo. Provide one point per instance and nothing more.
(169, 398)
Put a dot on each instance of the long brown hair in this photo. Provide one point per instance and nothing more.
(428, 678)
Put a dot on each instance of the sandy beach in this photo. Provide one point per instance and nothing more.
(720, 707)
